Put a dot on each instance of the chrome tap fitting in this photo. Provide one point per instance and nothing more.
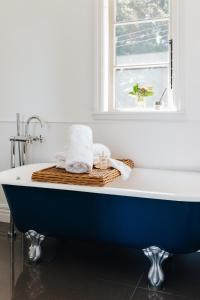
(34, 117)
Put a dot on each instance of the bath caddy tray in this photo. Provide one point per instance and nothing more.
(95, 178)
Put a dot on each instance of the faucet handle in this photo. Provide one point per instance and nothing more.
(33, 139)
(41, 139)
(30, 139)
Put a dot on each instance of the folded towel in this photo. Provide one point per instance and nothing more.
(79, 150)
(121, 167)
(60, 160)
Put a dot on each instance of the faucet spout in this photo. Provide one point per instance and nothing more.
(34, 117)
(30, 139)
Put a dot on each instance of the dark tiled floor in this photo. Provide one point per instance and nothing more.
(82, 271)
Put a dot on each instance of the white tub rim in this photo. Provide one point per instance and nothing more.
(144, 183)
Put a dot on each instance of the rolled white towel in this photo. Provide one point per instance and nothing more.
(79, 152)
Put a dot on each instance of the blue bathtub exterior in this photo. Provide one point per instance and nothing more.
(128, 221)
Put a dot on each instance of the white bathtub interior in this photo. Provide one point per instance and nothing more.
(143, 183)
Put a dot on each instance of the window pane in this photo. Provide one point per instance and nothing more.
(142, 43)
(133, 10)
(125, 79)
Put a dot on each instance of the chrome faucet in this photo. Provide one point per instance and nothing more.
(30, 138)
(22, 140)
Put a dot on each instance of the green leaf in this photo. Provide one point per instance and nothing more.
(136, 88)
(149, 93)
(141, 91)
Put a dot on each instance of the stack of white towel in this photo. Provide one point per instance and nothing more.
(81, 154)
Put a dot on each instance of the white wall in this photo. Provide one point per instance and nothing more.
(47, 66)
(46, 58)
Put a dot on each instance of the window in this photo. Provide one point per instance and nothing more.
(138, 56)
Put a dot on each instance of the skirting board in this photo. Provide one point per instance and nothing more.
(4, 213)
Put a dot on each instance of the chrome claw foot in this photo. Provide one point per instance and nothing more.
(35, 248)
(157, 257)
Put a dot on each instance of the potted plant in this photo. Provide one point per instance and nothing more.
(141, 92)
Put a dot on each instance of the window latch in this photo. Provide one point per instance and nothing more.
(171, 62)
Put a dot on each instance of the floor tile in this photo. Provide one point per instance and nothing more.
(182, 276)
(115, 264)
(142, 294)
(38, 284)
(72, 270)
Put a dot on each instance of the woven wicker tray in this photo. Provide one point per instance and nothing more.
(95, 178)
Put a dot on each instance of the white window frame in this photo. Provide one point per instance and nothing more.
(102, 107)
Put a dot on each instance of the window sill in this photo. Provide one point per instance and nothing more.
(163, 115)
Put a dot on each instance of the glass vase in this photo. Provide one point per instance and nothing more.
(140, 101)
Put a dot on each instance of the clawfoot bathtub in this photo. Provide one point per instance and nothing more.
(155, 211)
